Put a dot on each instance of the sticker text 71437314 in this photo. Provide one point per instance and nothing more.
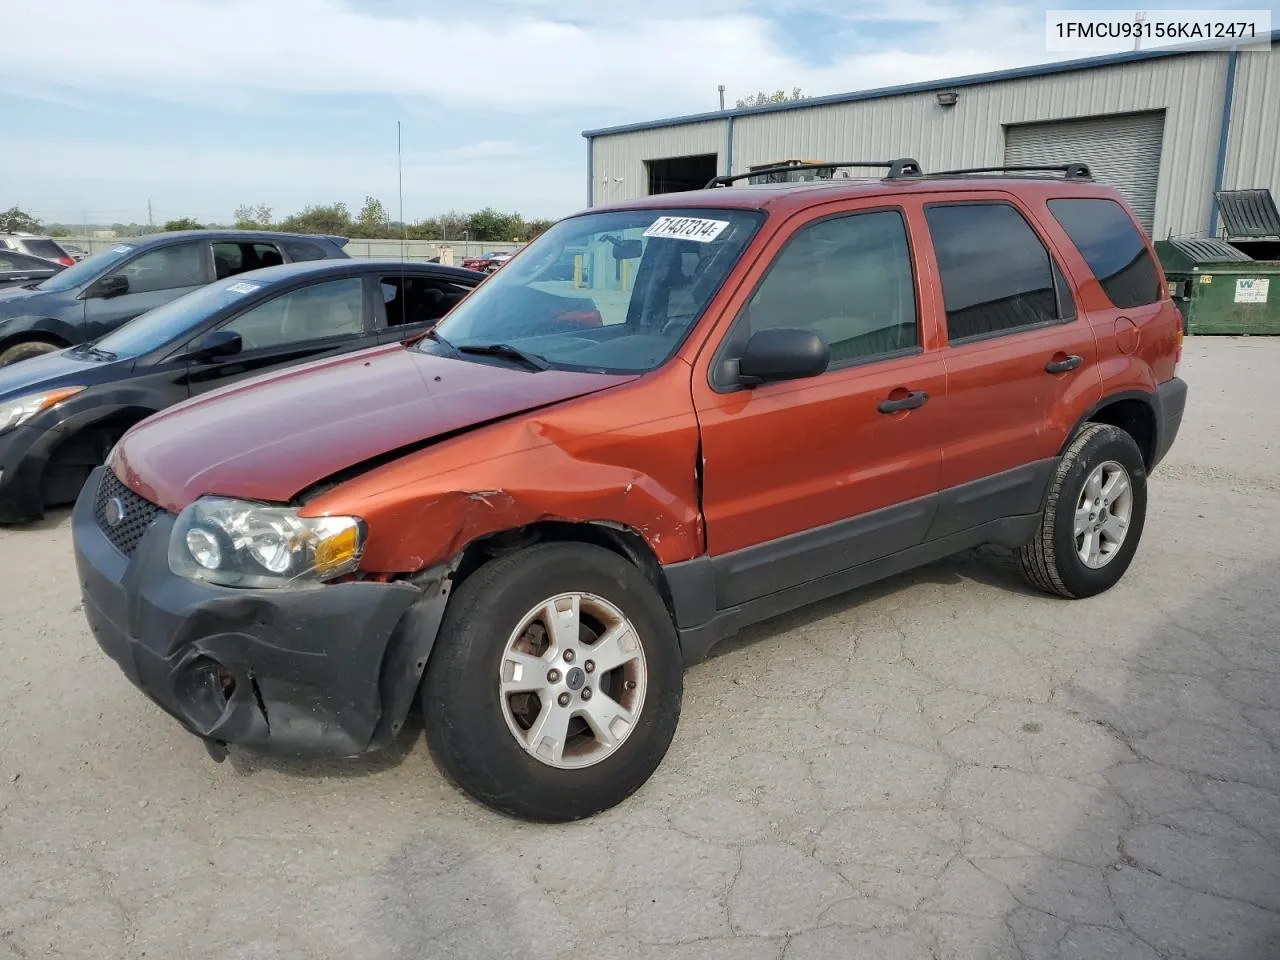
(686, 228)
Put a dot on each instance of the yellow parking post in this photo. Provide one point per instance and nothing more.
(577, 271)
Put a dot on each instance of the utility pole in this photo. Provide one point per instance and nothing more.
(151, 222)
(1139, 19)
(721, 89)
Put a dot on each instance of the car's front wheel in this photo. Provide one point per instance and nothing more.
(554, 687)
(26, 350)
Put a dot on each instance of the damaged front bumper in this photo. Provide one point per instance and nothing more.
(320, 671)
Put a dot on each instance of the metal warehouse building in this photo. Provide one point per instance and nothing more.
(1167, 127)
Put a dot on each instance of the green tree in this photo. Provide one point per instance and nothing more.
(373, 220)
(14, 220)
(489, 224)
(535, 228)
(183, 223)
(334, 218)
(253, 217)
(763, 99)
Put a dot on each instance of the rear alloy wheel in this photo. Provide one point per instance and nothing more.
(554, 687)
(1093, 518)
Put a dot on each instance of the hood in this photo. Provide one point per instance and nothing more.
(62, 369)
(17, 302)
(270, 438)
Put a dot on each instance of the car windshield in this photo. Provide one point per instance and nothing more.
(610, 292)
(87, 269)
(166, 323)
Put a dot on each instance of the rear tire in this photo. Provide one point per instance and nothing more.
(525, 622)
(1093, 518)
(26, 350)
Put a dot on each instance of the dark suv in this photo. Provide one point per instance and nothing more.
(101, 292)
(531, 519)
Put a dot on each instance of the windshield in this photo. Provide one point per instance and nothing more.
(157, 327)
(86, 269)
(613, 292)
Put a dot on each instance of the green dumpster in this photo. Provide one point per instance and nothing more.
(1219, 288)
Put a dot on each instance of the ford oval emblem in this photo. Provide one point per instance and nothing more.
(113, 512)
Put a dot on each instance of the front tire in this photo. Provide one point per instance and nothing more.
(26, 350)
(1094, 516)
(554, 687)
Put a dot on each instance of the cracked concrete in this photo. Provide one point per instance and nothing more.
(947, 765)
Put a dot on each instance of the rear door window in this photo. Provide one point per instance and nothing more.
(997, 275)
(410, 300)
(232, 257)
(1112, 247)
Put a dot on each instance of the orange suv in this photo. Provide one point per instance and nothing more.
(531, 519)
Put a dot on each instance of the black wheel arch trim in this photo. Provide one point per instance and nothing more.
(1165, 403)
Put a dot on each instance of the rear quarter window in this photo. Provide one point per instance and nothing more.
(301, 250)
(44, 248)
(1113, 248)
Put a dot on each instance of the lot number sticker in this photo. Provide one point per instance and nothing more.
(1252, 290)
(687, 228)
(242, 288)
(121, 248)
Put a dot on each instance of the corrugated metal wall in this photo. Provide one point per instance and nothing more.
(618, 161)
(1189, 88)
(1253, 151)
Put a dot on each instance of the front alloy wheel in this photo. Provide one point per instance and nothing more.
(572, 680)
(554, 687)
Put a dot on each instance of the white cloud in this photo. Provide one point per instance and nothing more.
(537, 56)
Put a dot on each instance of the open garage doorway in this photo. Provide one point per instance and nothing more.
(673, 174)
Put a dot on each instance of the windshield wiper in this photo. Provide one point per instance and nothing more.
(507, 352)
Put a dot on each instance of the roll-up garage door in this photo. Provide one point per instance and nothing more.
(1123, 152)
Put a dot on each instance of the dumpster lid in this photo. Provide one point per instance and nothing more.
(1249, 213)
(1208, 250)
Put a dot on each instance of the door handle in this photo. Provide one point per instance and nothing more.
(914, 399)
(1063, 365)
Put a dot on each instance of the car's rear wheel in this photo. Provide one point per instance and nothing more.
(26, 350)
(554, 688)
(1093, 518)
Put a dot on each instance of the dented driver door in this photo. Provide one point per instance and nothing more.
(804, 478)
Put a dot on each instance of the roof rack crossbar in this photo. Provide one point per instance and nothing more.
(1070, 171)
(897, 168)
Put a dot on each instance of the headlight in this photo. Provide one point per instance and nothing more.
(14, 413)
(241, 544)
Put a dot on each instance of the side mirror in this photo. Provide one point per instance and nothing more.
(216, 344)
(112, 286)
(783, 353)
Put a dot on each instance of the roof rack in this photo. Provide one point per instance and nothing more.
(1070, 171)
(904, 167)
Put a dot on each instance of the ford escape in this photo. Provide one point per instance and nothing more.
(532, 518)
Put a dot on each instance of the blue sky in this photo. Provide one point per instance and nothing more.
(201, 105)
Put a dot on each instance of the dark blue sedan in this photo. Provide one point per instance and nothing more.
(61, 413)
(102, 292)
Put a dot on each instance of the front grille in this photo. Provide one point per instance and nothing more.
(137, 514)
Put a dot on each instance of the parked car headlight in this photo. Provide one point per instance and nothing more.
(14, 413)
(240, 544)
